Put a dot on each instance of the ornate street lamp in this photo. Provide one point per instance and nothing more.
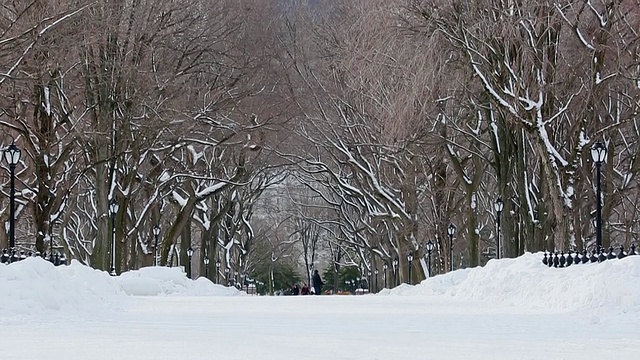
(599, 154)
(50, 244)
(156, 233)
(430, 246)
(226, 274)
(190, 255)
(206, 266)
(376, 273)
(499, 206)
(410, 260)
(384, 274)
(218, 272)
(451, 230)
(113, 209)
(12, 156)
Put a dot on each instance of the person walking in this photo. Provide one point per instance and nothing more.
(317, 282)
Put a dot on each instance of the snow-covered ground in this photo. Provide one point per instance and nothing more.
(511, 309)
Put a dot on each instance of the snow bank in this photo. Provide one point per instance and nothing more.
(524, 282)
(152, 281)
(34, 286)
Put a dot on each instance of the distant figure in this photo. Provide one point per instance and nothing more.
(295, 290)
(304, 290)
(317, 282)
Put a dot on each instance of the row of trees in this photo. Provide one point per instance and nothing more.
(149, 104)
(374, 124)
(423, 113)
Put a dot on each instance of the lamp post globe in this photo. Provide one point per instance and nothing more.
(12, 156)
(598, 154)
(113, 209)
(451, 230)
(498, 206)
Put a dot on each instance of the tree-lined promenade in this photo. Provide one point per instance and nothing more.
(273, 136)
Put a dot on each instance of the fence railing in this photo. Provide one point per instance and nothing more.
(560, 259)
(12, 256)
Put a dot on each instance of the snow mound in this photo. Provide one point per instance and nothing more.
(34, 286)
(526, 283)
(153, 281)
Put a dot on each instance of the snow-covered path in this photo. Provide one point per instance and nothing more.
(319, 327)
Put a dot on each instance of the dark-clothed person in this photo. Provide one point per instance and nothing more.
(295, 290)
(317, 282)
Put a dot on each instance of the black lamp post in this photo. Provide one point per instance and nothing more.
(190, 255)
(113, 209)
(206, 267)
(395, 270)
(451, 230)
(51, 244)
(430, 246)
(12, 156)
(218, 272)
(499, 206)
(410, 260)
(376, 274)
(226, 274)
(369, 280)
(384, 274)
(598, 153)
(156, 233)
